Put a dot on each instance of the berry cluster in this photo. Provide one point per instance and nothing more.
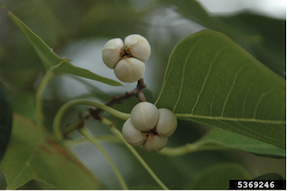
(149, 126)
(127, 58)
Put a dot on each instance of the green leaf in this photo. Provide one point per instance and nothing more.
(32, 154)
(50, 59)
(46, 54)
(211, 80)
(222, 137)
(24, 104)
(190, 9)
(5, 122)
(265, 42)
(269, 176)
(193, 10)
(66, 68)
(217, 177)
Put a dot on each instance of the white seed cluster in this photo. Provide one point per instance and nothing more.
(127, 58)
(149, 126)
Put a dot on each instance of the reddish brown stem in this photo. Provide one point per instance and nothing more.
(96, 112)
(119, 99)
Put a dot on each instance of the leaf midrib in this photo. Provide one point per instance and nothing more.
(231, 119)
(26, 166)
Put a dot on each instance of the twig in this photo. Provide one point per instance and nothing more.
(118, 100)
(77, 124)
(96, 112)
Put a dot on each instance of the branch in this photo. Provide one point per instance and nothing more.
(96, 112)
(118, 100)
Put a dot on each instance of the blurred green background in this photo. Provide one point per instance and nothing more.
(78, 30)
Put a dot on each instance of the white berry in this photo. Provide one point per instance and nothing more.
(129, 70)
(112, 51)
(132, 135)
(155, 143)
(167, 123)
(137, 46)
(144, 116)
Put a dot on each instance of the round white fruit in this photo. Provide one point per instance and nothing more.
(132, 135)
(144, 116)
(167, 123)
(129, 70)
(137, 46)
(111, 53)
(155, 143)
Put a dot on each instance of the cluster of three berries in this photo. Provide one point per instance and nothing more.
(127, 58)
(149, 126)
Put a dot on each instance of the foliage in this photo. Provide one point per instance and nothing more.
(37, 156)
(225, 172)
(211, 80)
(5, 122)
(228, 104)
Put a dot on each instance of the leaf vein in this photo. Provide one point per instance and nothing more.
(260, 100)
(247, 129)
(22, 170)
(183, 72)
(232, 87)
(211, 105)
(245, 100)
(259, 134)
(207, 76)
(26, 164)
